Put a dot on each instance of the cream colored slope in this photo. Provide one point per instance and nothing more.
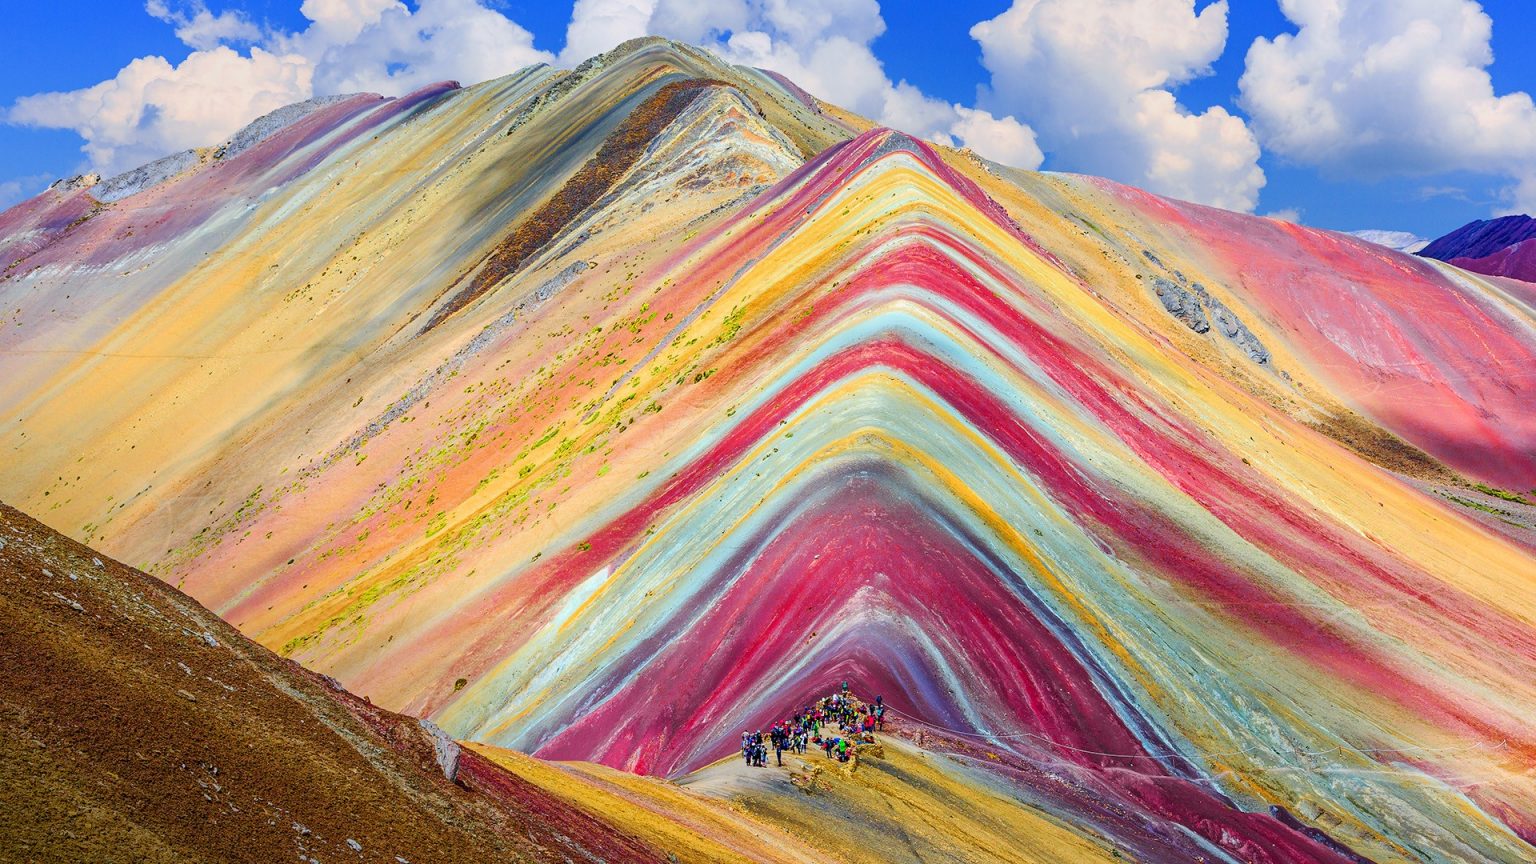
(713, 154)
(693, 827)
(335, 264)
(907, 806)
(290, 339)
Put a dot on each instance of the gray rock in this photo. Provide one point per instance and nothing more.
(143, 177)
(68, 602)
(446, 748)
(79, 181)
(273, 122)
(1233, 328)
(1181, 304)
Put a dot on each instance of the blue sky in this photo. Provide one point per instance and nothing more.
(1395, 162)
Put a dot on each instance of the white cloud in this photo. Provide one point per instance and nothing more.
(1288, 214)
(822, 45)
(598, 25)
(340, 21)
(1004, 140)
(1376, 87)
(152, 108)
(1094, 79)
(10, 193)
(203, 30)
(390, 49)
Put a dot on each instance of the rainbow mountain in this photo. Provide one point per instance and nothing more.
(602, 414)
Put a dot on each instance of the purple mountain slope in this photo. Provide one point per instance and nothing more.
(1496, 247)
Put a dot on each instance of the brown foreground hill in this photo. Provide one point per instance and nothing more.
(135, 725)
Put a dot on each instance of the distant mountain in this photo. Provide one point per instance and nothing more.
(1401, 241)
(1496, 247)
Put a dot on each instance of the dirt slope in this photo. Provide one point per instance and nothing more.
(137, 726)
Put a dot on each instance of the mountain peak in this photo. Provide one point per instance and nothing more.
(606, 414)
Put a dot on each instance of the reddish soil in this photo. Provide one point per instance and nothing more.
(136, 725)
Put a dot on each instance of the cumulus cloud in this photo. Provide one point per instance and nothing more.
(384, 47)
(1001, 139)
(153, 107)
(598, 25)
(202, 29)
(1094, 79)
(1375, 87)
(822, 45)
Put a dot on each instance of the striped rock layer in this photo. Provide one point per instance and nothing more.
(603, 414)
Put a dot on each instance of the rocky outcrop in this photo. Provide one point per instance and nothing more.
(444, 747)
(1233, 327)
(1181, 304)
(144, 177)
(77, 182)
(1190, 305)
(273, 122)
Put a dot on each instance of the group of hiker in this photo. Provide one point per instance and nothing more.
(856, 723)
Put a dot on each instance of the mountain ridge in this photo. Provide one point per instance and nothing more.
(1109, 482)
(1496, 247)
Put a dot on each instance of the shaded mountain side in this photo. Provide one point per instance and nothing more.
(1495, 247)
(1481, 238)
(1517, 261)
(618, 153)
(137, 726)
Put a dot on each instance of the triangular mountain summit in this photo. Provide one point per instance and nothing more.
(605, 414)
